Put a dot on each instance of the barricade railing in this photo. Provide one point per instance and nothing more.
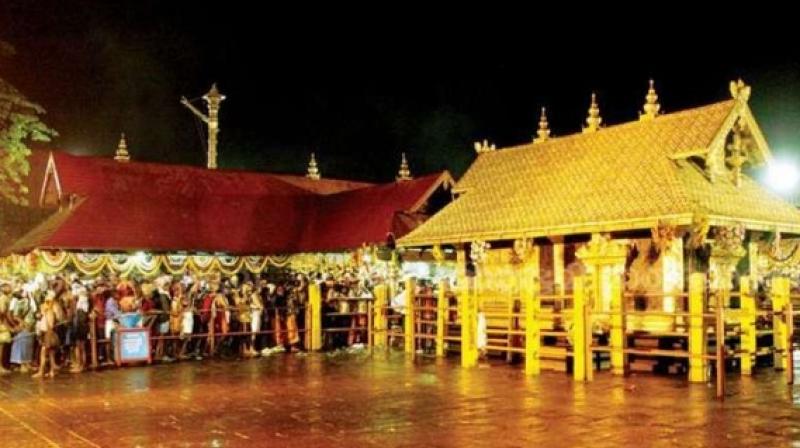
(211, 335)
(422, 321)
(356, 323)
(708, 318)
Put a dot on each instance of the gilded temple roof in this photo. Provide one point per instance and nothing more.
(627, 176)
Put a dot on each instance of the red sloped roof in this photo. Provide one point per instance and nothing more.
(322, 186)
(159, 207)
(87, 175)
(346, 220)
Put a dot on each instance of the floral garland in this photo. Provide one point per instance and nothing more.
(91, 264)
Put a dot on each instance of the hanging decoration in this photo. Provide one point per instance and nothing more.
(92, 263)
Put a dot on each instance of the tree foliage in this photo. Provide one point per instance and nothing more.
(19, 124)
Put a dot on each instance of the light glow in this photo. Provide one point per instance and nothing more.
(782, 176)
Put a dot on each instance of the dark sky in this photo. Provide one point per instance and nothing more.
(360, 90)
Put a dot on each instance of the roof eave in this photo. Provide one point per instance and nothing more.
(566, 229)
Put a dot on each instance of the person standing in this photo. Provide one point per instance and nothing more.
(162, 306)
(23, 311)
(256, 316)
(48, 337)
(80, 330)
(6, 322)
(112, 313)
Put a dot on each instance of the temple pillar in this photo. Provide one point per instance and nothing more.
(726, 251)
(780, 298)
(672, 274)
(752, 255)
(748, 325)
(441, 317)
(581, 353)
(379, 321)
(533, 340)
(410, 317)
(604, 259)
(697, 334)
(558, 265)
(315, 316)
(469, 349)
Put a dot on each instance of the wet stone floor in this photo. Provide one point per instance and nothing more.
(387, 401)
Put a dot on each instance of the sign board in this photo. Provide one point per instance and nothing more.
(133, 345)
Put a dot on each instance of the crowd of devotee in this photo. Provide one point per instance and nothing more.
(47, 323)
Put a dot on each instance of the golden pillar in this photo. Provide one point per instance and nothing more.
(441, 317)
(747, 321)
(726, 251)
(315, 326)
(780, 298)
(213, 99)
(581, 356)
(558, 266)
(533, 340)
(604, 260)
(697, 334)
(409, 320)
(469, 323)
(379, 320)
(617, 318)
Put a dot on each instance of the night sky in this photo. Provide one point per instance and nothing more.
(360, 91)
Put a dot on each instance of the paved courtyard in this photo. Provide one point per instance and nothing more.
(386, 401)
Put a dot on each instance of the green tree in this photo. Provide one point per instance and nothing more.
(19, 123)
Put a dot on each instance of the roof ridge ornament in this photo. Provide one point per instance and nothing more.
(122, 155)
(313, 170)
(404, 173)
(593, 120)
(651, 107)
(482, 147)
(739, 90)
(543, 133)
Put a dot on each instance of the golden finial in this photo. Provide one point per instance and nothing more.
(122, 150)
(739, 90)
(482, 147)
(313, 170)
(651, 105)
(404, 173)
(594, 120)
(543, 133)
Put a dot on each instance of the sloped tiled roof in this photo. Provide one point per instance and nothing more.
(160, 207)
(323, 185)
(620, 177)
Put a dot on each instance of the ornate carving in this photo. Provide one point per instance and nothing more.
(313, 170)
(478, 251)
(737, 153)
(602, 250)
(482, 147)
(698, 231)
(593, 120)
(726, 251)
(651, 107)
(122, 150)
(663, 235)
(543, 133)
(404, 173)
(739, 90)
(728, 241)
(438, 253)
(521, 251)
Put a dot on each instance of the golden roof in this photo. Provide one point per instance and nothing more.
(621, 177)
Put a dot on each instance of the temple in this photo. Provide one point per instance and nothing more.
(638, 206)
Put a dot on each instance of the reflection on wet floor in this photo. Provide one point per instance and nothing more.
(386, 400)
